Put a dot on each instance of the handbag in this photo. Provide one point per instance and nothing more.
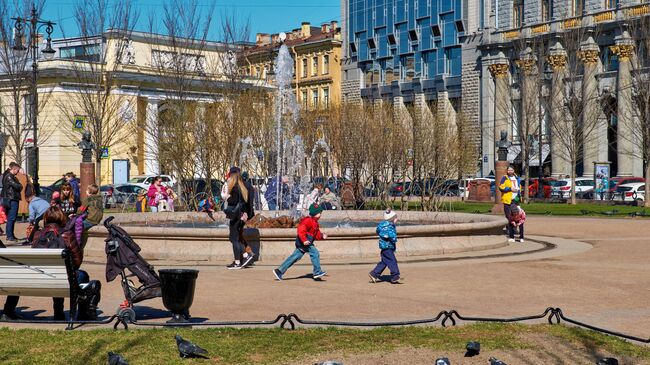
(233, 211)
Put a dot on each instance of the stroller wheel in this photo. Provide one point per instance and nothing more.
(126, 314)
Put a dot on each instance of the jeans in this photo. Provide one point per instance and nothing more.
(297, 254)
(12, 215)
(511, 231)
(387, 260)
(235, 230)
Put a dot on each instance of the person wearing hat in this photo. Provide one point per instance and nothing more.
(387, 244)
(238, 210)
(308, 232)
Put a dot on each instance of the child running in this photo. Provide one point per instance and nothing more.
(516, 220)
(308, 232)
(387, 244)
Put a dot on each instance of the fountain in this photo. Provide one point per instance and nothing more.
(351, 233)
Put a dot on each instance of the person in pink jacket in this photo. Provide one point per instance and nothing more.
(156, 193)
(516, 220)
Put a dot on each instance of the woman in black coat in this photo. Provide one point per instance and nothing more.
(239, 198)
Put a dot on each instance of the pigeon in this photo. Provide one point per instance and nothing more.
(494, 361)
(473, 348)
(442, 361)
(607, 361)
(116, 359)
(187, 349)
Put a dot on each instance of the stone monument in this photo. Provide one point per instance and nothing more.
(87, 166)
(501, 168)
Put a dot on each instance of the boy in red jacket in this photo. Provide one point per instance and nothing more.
(308, 232)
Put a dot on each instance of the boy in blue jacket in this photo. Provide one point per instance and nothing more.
(387, 241)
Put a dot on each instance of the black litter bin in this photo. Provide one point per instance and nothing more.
(177, 287)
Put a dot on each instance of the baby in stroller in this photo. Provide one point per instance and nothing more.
(123, 253)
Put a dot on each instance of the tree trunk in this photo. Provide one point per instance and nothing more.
(98, 171)
(525, 184)
(573, 180)
(646, 195)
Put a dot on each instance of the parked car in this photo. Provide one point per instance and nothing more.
(120, 194)
(630, 192)
(547, 186)
(562, 188)
(615, 182)
(145, 180)
(45, 193)
(56, 186)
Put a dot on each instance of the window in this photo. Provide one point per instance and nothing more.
(258, 72)
(547, 10)
(304, 67)
(517, 13)
(578, 7)
(448, 58)
(326, 64)
(326, 97)
(314, 97)
(611, 4)
(408, 68)
(304, 99)
(87, 52)
(609, 59)
(314, 66)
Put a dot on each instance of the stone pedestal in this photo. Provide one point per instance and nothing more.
(87, 176)
(501, 170)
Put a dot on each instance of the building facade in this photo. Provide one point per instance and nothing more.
(420, 54)
(141, 68)
(586, 48)
(316, 52)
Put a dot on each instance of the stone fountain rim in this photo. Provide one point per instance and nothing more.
(469, 224)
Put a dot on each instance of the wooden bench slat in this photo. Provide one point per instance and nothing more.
(36, 292)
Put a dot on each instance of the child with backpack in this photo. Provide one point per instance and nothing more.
(308, 232)
(387, 244)
(516, 220)
(92, 205)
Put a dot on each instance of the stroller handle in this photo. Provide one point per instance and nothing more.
(107, 221)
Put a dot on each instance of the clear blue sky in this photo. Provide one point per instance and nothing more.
(266, 16)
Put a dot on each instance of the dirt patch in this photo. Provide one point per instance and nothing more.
(544, 349)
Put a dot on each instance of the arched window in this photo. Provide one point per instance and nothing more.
(578, 7)
(547, 10)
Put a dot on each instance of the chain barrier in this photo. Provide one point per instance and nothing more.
(553, 315)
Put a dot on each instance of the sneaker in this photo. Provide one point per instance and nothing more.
(248, 259)
(278, 274)
(511, 240)
(397, 280)
(234, 266)
(521, 240)
(373, 278)
(319, 274)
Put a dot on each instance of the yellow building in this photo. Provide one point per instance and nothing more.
(123, 81)
(316, 52)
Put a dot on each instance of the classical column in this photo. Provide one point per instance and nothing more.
(528, 125)
(151, 157)
(559, 158)
(592, 127)
(629, 164)
(500, 70)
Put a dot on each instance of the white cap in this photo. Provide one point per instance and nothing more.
(389, 214)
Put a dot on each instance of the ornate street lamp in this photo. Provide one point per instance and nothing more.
(33, 25)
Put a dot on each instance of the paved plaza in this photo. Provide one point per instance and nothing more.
(605, 283)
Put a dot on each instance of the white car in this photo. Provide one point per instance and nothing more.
(562, 188)
(145, 180)
(630, 192)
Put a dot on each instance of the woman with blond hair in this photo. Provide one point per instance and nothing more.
(239, 199)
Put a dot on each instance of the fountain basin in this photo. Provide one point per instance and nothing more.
(427, 233)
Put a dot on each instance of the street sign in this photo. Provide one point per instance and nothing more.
(105, 154)
(78, 123)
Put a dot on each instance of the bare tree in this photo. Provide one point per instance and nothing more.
(105, 28)
(15, 80)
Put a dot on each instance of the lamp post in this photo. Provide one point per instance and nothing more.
(33, 25)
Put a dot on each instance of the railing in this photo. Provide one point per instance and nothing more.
(511, 34)
(571, 23)
(637, 10)
(553, 315)
(542, 28)
(604, 17)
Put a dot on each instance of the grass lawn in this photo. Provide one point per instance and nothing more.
(554, 209)
(277, 346)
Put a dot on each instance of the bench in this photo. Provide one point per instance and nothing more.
(39, 272)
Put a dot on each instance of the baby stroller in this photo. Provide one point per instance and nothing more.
(123, 253)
